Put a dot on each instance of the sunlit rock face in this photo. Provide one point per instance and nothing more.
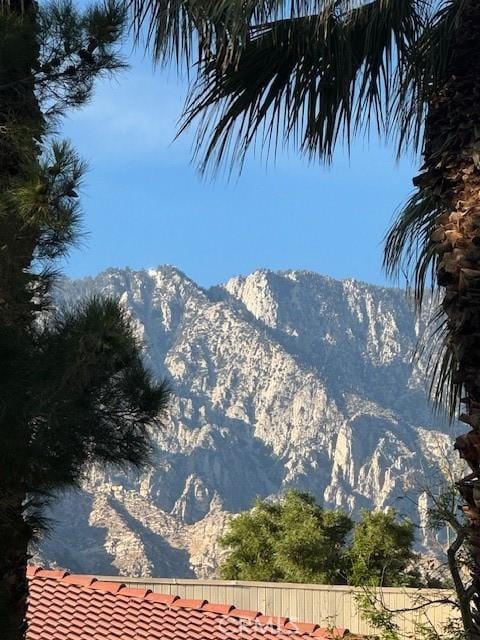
(280, 380)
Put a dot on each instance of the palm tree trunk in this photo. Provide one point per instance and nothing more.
(451, 173)
(14, 539)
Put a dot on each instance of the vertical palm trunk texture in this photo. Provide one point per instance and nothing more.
(20, 132)
(451, 172)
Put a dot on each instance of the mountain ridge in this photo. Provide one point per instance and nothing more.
(280, 379)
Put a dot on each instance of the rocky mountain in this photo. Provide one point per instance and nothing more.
(280, 379)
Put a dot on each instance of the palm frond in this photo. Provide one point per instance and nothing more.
(310, 80)
(436, 350)
(423, 71)
(310, 72)
(409, 250)
(408, 246)
(192, 30)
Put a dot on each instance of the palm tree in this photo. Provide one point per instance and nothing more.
(314, 73)
(73, 388)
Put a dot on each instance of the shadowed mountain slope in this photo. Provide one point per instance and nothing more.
(279, 379)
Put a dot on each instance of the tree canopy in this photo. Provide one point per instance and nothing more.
(381, 551)
(297, 540)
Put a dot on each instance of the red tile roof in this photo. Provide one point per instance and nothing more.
(72, 607)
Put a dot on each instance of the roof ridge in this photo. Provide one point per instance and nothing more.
(306, 629)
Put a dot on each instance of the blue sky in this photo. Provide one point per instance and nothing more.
(145, 203)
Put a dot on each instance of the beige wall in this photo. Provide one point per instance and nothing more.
(322, 604)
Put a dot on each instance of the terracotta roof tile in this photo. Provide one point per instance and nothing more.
(161, 597)
(304, 628)
(135, 593)
(273, 621)
(245, 613)
(113, 587)
(330, 634)
(224, 609)
(50, 573)
(189, 604)
(71, 607)
(84, 581)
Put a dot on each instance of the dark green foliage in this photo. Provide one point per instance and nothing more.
(75, 50)
(73, 388)
(21, 121)
(312, 545)
(93, 397)
(381, 551)
(296, 540)
(252, 538)
(291, 541)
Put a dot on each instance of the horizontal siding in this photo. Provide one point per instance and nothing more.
(325, 605)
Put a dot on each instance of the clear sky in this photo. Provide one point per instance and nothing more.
(145, 203)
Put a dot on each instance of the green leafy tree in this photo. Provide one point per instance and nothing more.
(73, 388)
(381, 551)
(314, 73)
(313, 541)
(251, 539)
(294, 540)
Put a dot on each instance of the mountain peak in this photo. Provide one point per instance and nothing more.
(281, 379)
(168, 270)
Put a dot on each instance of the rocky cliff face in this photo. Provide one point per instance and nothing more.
(280, 379)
